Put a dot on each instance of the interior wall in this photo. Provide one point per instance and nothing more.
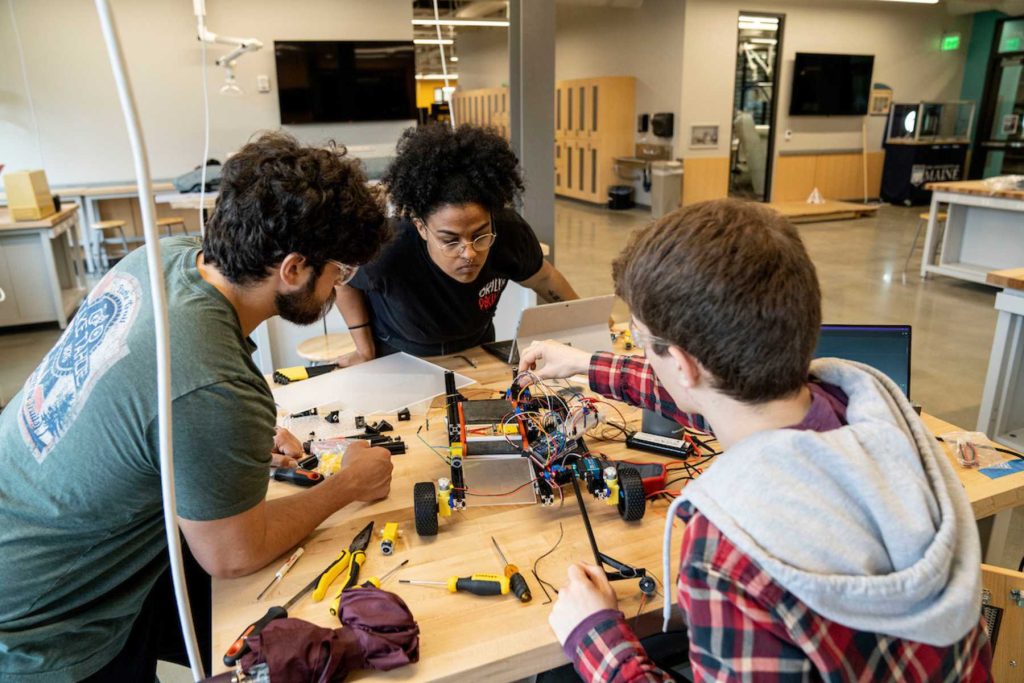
(904, 38)
(483, 58)
(81, 136)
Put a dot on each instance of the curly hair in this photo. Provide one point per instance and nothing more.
(438, 166)
(278, 197)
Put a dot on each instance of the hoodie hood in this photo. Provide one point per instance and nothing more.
(866, 524)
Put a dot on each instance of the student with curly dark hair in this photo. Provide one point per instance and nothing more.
(79, 464)
(434, 288)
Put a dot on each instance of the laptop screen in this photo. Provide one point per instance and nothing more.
(883, 347)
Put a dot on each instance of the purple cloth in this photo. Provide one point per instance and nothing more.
(827, 411)
(583, 628)
(378, 632)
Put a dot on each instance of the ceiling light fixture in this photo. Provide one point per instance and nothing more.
(435, 77)
(461, 22)
(433, 41)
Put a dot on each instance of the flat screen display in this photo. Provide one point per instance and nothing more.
(341, 81)
(831, 85)
(883, 347)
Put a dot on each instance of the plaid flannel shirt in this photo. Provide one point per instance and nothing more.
(742, 624)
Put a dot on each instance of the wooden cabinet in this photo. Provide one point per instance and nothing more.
(483, 107)
(593, 125)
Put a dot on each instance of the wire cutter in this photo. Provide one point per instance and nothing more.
(348, 561)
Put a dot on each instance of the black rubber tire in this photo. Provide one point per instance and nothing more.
(632, 503)
(424, 505)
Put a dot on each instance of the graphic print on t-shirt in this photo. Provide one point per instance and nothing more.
(94, 342)
(490, 293)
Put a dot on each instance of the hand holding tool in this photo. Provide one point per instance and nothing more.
(477, 584)
(342, 562)
(281, 572)
(518, 584)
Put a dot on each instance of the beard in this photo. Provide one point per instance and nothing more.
(302, 308)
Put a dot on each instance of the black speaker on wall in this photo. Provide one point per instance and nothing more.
(642, 123)
(663, 124)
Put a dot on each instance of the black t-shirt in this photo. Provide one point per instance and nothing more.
(415, 307)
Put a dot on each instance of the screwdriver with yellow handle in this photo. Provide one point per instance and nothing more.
(372, 582)
(477, 584)
(519, 586)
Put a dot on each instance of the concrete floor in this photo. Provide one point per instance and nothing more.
(859, 263)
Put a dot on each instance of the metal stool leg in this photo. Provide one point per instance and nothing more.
(913, 246)
(124, 241)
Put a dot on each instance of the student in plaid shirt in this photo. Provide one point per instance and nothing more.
(831, 540)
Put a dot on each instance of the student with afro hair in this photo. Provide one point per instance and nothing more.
(458, 241)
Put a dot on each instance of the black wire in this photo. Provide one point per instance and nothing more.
(542, 582)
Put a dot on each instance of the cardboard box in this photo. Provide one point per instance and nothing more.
(28, 195)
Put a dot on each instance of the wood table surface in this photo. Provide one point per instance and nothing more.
(1010, 278)
(7, 223)
(976, 187)
(471, 638)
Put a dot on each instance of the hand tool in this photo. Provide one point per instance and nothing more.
(240, 646)
(358, 554)
(477, 584)
(298, 372)
(343, 562)
(372, 582)
(320, 583)
(281, 572)
(297, 476)
(516, 580)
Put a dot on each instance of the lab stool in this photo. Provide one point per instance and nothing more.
(922, 221)
(107, 228)
(326, 348)
(170, 223)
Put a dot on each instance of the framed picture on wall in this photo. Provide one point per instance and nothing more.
(703, 136)
(880, 102)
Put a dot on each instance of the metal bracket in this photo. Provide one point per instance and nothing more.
(1016, 597)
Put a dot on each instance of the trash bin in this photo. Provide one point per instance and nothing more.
(620, 197)
(666, 186)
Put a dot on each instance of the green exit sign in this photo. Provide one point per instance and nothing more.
(950, 41)
(1011, 44)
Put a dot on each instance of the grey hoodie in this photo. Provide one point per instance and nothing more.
(867, 524)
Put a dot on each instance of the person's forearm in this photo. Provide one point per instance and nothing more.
(555, 288)
(290, 519)
(352, 305)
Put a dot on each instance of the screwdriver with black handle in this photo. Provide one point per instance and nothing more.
(518, 584)
(477, 584)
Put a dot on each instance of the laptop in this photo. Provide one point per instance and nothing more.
(580, 323)
(883, 347)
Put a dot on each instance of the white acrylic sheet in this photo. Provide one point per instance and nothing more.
(383, 385)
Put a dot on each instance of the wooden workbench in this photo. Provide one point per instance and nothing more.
(471, 638)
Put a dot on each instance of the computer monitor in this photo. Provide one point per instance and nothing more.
(883, 347)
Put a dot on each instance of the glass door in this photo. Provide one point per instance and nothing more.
(758, 46)
(999, 148)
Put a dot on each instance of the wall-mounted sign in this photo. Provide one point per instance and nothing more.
(950, 42)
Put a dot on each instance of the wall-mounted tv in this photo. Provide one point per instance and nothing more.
(341, 81)
(831, 85)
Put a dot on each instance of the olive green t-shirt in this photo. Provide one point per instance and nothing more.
(81, 526)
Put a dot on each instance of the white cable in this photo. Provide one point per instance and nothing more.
(28, 90)
(446, 92)
(206, 135)
(160, 324)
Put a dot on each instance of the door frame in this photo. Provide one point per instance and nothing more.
(986, 108)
